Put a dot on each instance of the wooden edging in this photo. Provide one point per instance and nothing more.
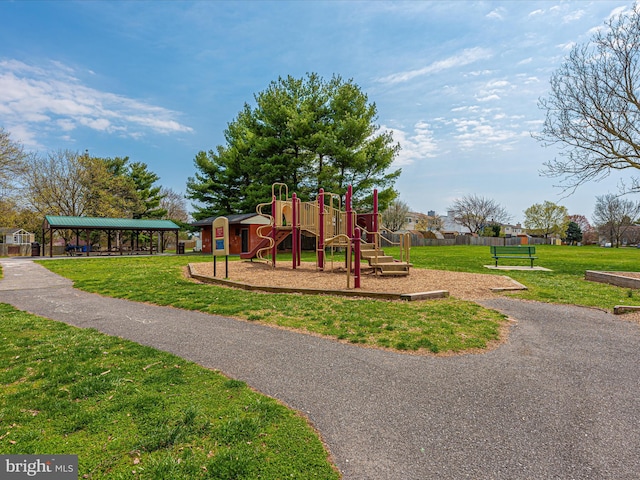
(314, 291)
(517, 286)
(620, 309)
(412, 297)
(612, 279)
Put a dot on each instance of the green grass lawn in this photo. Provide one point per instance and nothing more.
(564, 284)
(448, 325)
(130, 411)
(133, 412)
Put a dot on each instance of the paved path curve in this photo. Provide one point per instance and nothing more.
(560, 400)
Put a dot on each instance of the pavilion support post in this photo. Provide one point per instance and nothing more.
(151, 242)
(50, 242)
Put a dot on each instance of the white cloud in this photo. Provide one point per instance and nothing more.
(416, 145)
(497, 14)
(20, 133)
(488, 98)
(619, 11)
(478, 132)
(477, 73)
(566, 46)
(38, 97)
(497, 84)
(492, 90)
(536, 12)
(466, 57)
(573, 16)
(530, 80)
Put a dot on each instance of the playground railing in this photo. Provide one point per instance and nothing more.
(308, 217)
(342, 241)
(404, 243)
(260, 231)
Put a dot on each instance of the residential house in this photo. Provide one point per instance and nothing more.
(512, 230)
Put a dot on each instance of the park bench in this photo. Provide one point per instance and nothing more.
(526, 252)
(72, 250)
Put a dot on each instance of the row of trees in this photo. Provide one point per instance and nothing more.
(74, 184)
(613, 217)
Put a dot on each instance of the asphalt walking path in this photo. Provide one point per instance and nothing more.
(559, 400)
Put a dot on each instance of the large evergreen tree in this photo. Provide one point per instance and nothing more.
(149, 194)
(307, 133)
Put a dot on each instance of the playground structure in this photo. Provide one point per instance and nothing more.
(359, 234)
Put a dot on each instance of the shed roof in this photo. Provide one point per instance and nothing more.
(55, 221)
(233, 219)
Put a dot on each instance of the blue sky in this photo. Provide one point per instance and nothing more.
(457, 82)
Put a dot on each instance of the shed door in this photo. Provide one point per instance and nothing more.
(244, 239)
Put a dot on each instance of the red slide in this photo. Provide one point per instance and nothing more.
(280, 236)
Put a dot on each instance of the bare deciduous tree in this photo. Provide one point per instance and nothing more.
(12, 157)
(475, 212)
(67, 183)
(54, 185)
(593, 110)
(175, 205)
(614, 215)
(394, 218)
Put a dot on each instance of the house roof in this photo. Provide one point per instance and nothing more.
(11, 230)
(54, 221)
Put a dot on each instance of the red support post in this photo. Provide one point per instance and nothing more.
(320, 247)
(274, 232)
(375, 210)
(356, 252)
(299, 258)
(294, 230)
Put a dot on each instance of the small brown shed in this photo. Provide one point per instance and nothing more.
(242, 232)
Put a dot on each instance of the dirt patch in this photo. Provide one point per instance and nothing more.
(466, 286)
